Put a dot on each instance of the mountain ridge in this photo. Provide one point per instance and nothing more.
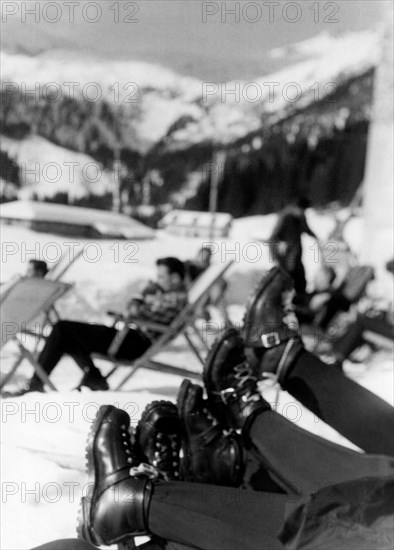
(172, 115)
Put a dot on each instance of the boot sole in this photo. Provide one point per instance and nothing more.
(186, 470)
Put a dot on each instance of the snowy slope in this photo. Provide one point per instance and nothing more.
(322, 64)
(153, 97)
(60, 67)
(47, 169)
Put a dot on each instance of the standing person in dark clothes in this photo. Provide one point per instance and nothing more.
(285, 241)
(159, 302)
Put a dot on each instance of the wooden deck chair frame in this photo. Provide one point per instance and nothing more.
(183, 324)
(59, 270)
(220, 304)
(21, 303)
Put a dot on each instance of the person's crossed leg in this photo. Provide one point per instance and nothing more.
(274, 348)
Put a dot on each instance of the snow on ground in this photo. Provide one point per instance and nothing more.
(43, 435)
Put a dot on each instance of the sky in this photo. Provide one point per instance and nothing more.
(218, 40)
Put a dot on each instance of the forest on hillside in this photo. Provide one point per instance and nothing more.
(318, 151)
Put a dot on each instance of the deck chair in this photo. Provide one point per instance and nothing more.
(378, 340)
(217, 299)
(22, 303)
(183, 325)
(51, 316)
(356, 281)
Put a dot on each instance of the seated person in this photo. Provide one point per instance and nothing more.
(375, 320)
(159, 302)
(372, 321)
(36, 269)
(195, 267)
(320, 306)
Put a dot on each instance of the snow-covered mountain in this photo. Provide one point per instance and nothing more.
(237, 108)
(151, 97)
(91, 106)
(155, 98)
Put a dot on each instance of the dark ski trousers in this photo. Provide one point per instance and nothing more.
(81, 339)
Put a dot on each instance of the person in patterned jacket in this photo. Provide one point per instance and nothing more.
(159, 302)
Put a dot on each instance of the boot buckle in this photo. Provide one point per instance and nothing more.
(227, 395)
(144, 470)
(270, 339)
